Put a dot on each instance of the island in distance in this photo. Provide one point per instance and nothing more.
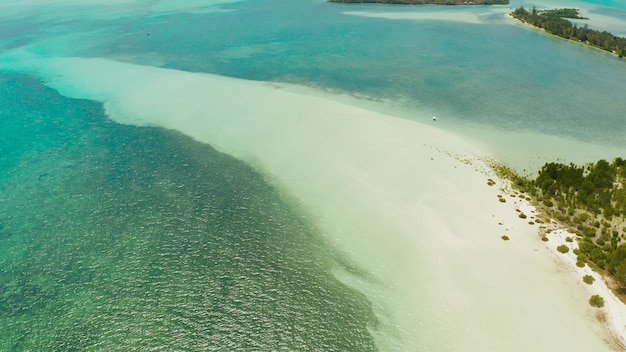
(427, 2)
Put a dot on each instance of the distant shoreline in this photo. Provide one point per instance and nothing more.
(556, 23)
(426, 2)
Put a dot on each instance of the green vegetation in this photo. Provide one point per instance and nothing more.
(596, 301)
(588, 279)
(505, 237)
(427, 2)
(591, 200)
(562, 248)
(555, 22)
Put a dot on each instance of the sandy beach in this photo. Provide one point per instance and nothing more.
(408, 203)
(614, 311)
(473, 18)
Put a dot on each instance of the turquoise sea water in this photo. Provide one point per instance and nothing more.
(492, 73)
(124, 238)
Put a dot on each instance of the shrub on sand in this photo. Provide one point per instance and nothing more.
(596, 301)
(588, 279)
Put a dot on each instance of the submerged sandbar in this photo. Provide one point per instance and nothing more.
(408, 203)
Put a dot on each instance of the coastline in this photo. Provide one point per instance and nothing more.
(599, 20)
(406, 202)
(613, 314)
(614, 311)
(617, 49)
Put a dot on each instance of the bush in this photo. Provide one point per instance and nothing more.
(580, 218)
(505, 237)
(562, 248)
(588, 231)
(596, 301)
(568, 239)
(522, 216)
(588, 279)
(544, 238)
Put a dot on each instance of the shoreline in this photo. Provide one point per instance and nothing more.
(408, 203)
(586, 44)
(613, 314)
(598, 20)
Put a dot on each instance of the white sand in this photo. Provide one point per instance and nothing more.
(475, 15)
(524, 151)
(421, 16)
(614, 310)
(405, 201)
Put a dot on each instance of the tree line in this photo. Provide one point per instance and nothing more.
(555, 22)
(591, 199)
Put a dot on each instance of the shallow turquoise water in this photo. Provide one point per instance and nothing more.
(608, 4)
(492, 73)
(118, 238)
